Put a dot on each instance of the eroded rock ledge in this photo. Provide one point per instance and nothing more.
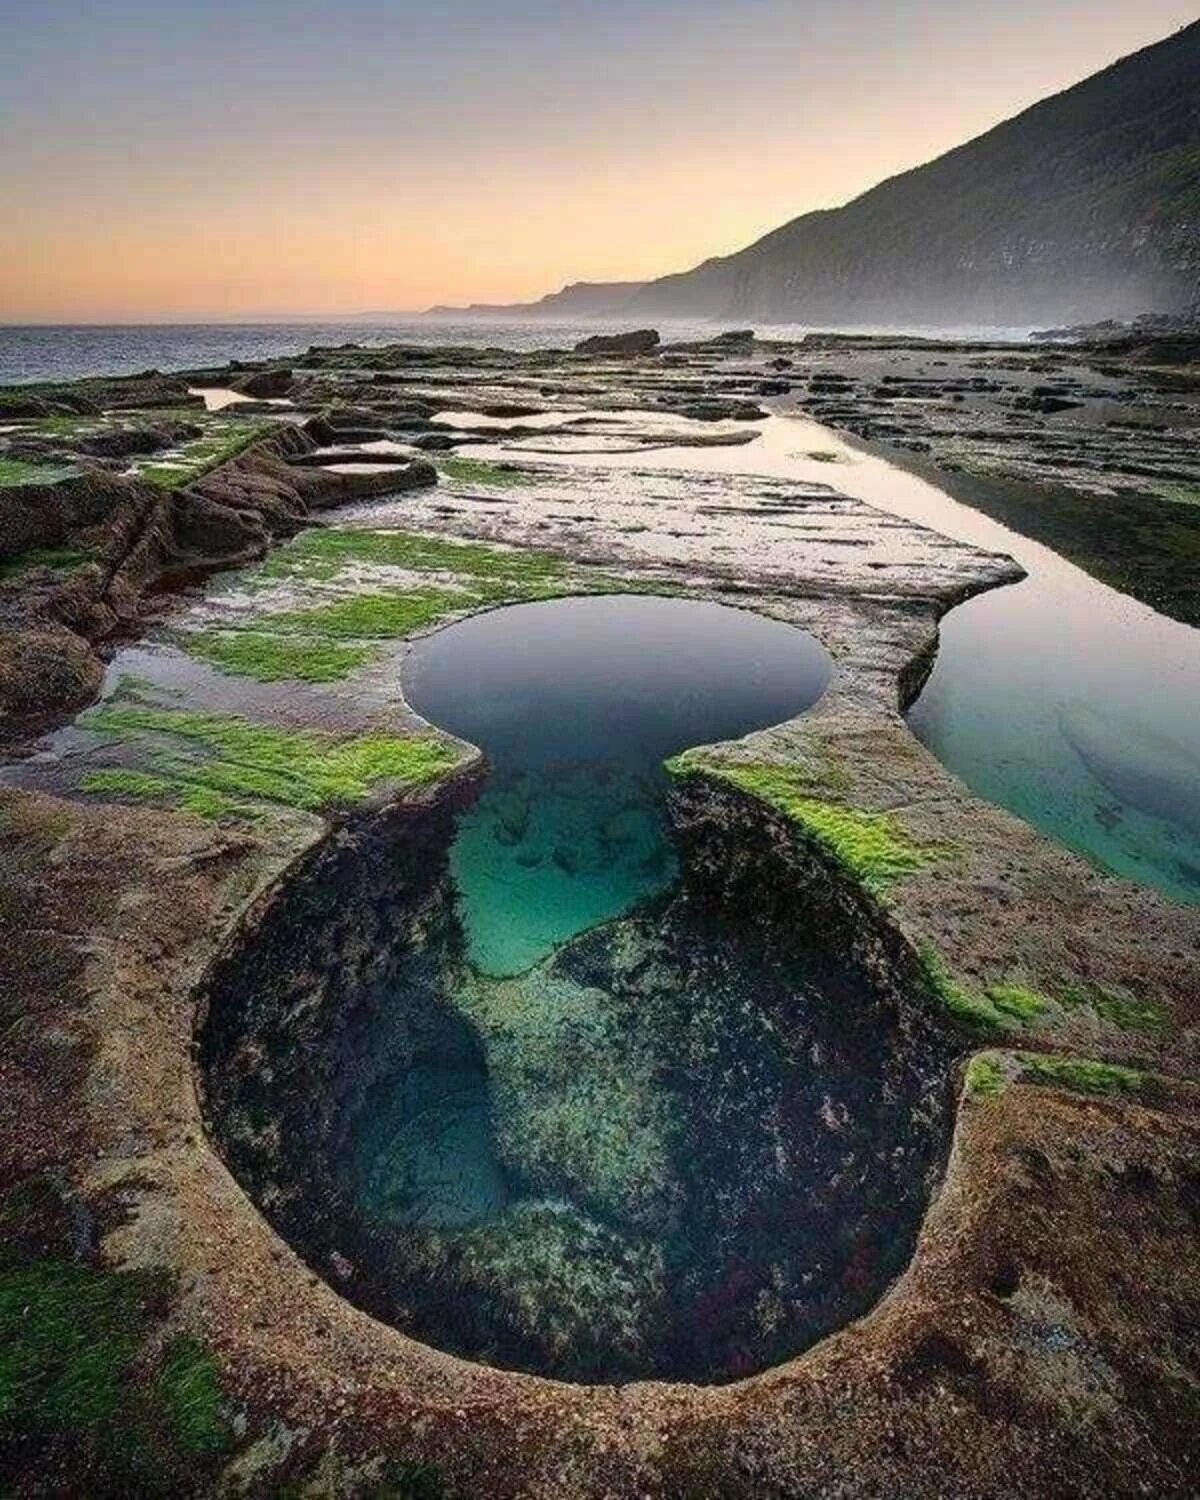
(1037, 1341)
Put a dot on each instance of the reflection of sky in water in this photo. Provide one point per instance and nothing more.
(577, 702)
(1060, 698)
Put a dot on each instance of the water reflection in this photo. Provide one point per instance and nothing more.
(1020, 668)
(577, 702)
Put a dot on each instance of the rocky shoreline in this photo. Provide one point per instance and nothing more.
(251, 731)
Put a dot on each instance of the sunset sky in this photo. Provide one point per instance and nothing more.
(272, 157)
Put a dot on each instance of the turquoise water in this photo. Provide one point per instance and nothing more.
(1059, 698)
(576, 703)
(676, 1145)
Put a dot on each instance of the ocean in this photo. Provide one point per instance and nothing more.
(70, 351)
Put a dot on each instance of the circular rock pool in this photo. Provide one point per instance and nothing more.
(517, 1077)
(576, 704)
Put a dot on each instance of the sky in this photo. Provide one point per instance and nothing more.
(161, 159)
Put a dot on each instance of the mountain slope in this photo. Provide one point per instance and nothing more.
(1085, 205)
(582, 299)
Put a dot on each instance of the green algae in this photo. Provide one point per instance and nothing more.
(67, 1335)
(1083, 1075)
(985, 1077)
(1009, 1005)
(60, 559)
(874, 848)
(14, 471)
(201, 455)
(325, 551)
(77, 1364)
(371, 616)
(977, 1013)
(126, 783)
(141, 786)
(188, 1391)
(478, 471)
(1018, 1002)
(274, 658)
(240, 759)
(1125, 1011)
(997, 1007)
(312, 644)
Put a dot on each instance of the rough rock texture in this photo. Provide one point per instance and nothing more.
(640, 341)
(1023, 1348)
(131, 539)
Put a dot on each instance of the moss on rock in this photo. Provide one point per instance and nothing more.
(875, 848)
(277, 658)
(491, 476)
(1083, 1075)
(233, 757)
(325, 551)
(985, 1077)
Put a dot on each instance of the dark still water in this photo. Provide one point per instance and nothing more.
(683, 1145)
(576, 703)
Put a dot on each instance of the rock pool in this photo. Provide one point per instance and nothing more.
(535, 1081)
(577, 703)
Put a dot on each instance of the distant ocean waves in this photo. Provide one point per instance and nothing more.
(67, 352)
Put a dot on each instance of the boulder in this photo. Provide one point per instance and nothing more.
(639, 341)
(267, 384)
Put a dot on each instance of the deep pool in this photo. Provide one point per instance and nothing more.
(555, 1108)
(576, 703)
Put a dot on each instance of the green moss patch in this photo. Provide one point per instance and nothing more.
(16, 471)
(975, 1012)
(274, 658)
(1010, 1005)
(60, 559)
(1017, 1002)
(187, 1390)
(1082, 1075)
(985, 1077)
(192, 459)
(371, 616)
(324, 551)
(207, 757)
(123, 783)
(313, 644)
(478, 471)
(78, 1368)
(874, 848)
(176, 790)
(1122, 1010)
(67, 1336)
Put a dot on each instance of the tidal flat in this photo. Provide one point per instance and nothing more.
(470, 1036)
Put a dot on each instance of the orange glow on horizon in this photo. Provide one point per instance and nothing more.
(296, 203)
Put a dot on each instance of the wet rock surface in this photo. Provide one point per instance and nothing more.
(1090, 448)
(176, 865)
(685, 1147)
